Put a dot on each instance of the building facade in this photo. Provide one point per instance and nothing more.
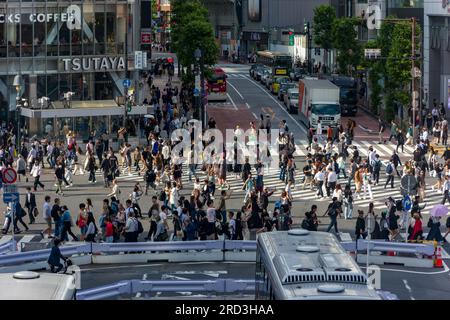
(84, 47)
(436, 71)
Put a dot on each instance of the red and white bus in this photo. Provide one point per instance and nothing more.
(216, 85)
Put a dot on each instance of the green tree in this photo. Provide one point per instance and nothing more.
(324, 16)
(191, 30)
(347, 45)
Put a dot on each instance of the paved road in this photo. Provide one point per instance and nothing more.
(406, 283)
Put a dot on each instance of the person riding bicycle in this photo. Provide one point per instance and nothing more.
(55, 256)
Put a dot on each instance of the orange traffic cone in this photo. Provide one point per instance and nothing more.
(438, 259)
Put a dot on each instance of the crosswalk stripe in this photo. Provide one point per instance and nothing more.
(386, 149)
(5, 239)
(25, 239)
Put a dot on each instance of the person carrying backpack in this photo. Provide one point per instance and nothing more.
(376, 169)
(333, 211)
(390, 175)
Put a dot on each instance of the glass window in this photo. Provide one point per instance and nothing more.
(121, 27)
(52, 85)
(64, 36)
(2, 40)
(39, 36)
(52, 34)
(26, 37)
(13, 35)
(100, 29)
(110, 32)
(88, 29)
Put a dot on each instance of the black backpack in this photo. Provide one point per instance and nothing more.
(162, 195)
(140, 228)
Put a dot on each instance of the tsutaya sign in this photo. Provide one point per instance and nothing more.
(72, 17)
(94, 64)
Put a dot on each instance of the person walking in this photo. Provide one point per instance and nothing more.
(115, 192)
(47, 215)
(446, 189)
(334, 209)
(30, 204)
(393, 130)
(67, 225)
(131, 228)
(36, 172)
(400, 140)
(59, 175)
(381, 129)
(360, 227)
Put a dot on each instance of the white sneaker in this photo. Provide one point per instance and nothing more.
(432, 188)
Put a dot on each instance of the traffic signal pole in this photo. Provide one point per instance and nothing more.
(125, 116)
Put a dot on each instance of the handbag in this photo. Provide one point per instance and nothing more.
(35, 212)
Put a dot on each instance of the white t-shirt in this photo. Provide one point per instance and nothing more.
(47, 211)
(232, 227)
(163, 216)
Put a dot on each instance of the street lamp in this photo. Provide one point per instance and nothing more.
(17, 83)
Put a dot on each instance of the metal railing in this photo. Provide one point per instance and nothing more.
(130, 287)
(171, 247)
(7, 247)
(400, 247)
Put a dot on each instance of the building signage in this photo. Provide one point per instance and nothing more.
(146, 37)
(280, 71)
(72, 17)
(94, 64)
(373, 17)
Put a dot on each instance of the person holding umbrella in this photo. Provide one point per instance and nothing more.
(436, 213)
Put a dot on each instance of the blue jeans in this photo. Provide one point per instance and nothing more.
(58, 226)
(282, 173)
(333, 222)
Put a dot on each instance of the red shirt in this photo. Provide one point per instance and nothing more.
(109, 231)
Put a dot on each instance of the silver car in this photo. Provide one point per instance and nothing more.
(291, 100)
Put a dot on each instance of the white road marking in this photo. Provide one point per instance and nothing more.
(405, 282)
(240, 95)
(5, 239)
(279, 104)
(248, 106)
(254, 115)
(446, 269)
(232, 102)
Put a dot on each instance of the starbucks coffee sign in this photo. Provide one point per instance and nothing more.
(72, 17)
(94, 64)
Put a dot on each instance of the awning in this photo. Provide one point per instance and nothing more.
(87, 111)
(85, 104)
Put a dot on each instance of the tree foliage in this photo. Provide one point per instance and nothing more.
(191, 30)
(324, 16)
(394, 70)
(347, 45)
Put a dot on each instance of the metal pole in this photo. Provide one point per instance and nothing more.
(413, 87)
(309, 49)
(368, 246)
(125, 116)
(18, 123)
(13, 209)
(202, 92)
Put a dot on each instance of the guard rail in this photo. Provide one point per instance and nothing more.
(7, 247)
(401, 247)
(131, 287)
(106, 252)
(408, 254)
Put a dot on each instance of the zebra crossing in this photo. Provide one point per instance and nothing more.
(272, 181)
(238, 75)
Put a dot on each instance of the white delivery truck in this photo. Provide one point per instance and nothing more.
(318, 100)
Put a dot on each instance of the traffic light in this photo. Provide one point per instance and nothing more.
(291, 38)
(306, 27)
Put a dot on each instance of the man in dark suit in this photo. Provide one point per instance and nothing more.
(30, 204)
